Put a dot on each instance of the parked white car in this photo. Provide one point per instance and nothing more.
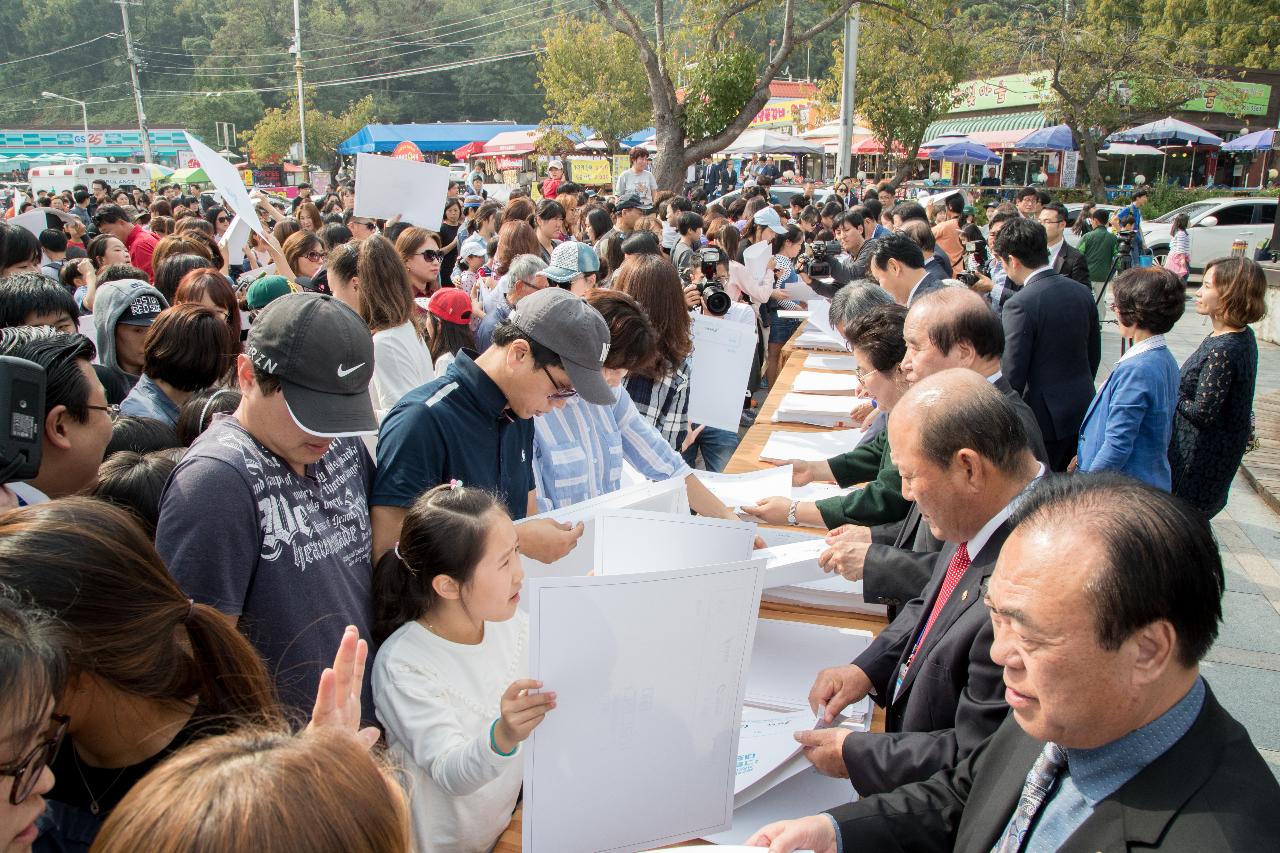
(1073, 211)
(1213, 225)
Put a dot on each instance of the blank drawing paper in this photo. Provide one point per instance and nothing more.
(387, 187)
(649, 673)
(784, 446)
(634, 541)
(747, 489)
(825, 383)
(721, 367)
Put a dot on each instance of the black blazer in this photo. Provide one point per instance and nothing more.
(1052, 348)
(1071, 263)
(931, 282)
(899, 561)
(1035, 441)
(938, 267)
(1210, 791)
(952, 697)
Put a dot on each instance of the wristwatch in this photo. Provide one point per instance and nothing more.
(791, 514)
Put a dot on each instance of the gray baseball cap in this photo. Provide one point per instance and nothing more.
(571, 259)
(573, 330)
(322, 353)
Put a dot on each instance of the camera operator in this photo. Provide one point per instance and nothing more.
(75, 426)
(851, 263)
(685, 252)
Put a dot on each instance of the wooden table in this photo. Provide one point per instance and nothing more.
(790, 348)
(745, 458)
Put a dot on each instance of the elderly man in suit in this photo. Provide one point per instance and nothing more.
(1053, 343)
(1105, 598)
(964, 459)
(1064, 258)
(952, 327)
(897, 263)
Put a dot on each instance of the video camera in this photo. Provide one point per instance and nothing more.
(714, 296)
(22, 387)
(815, 260)
(972, 266)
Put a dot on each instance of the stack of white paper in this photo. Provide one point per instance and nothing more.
(784, 446)
(662, 700)
(635, 542)
(819, 491)
(793, 563)
(833, 593)
(825, 410)
(808, 792)
(808, 382)
(819, 361)
(738, 490)
(668, 496)
(820, 340)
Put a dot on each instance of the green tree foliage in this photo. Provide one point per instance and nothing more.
(590, 75)
(270, 138)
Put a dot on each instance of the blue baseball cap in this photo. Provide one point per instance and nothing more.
(770, 219)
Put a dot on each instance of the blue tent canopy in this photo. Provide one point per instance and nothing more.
(1056, 138)
(381, 138)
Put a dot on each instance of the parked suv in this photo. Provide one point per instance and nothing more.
(1213, 225)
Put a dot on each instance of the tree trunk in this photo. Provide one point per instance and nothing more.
(669, 168)
(1089, 153)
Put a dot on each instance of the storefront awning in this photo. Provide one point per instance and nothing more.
(989, 130)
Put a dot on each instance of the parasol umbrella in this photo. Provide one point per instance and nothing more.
(195, 175)
(1055, 138)
(965, 152)
(1259, 140)
(471, 149)
(1127, 150)
(1168, 132)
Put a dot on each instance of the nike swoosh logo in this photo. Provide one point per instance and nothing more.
(349, 370)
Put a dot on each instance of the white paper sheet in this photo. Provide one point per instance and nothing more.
(783, 446)
(249, 276)
(756, 259)
(826, 410)
(227, 181)
(798, 291)
(818, 491)
(721, 366)
(387, 186)
(806, 793)
(818, 361)
(820, 317)
(637, 542)
(766, 742)
(787, 656)
(735, 490)
(668, 496)
(792, 564)
(787, 314)
(834, 593)
(235, 240)
(808, 382)
(37, 220)
(653, 710)
(819, 340)
(773, 536)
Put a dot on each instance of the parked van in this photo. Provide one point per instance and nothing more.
(57, 178)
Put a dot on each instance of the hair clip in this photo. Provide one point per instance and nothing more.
(455, 484)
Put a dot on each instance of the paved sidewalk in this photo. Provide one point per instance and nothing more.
(1244, 665)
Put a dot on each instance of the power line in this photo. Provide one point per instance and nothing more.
(61, 49)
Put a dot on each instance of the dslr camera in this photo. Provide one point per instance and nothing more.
(714, 296)
(22, 389)
(815, 260)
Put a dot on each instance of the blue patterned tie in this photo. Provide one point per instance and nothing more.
(1034, 792)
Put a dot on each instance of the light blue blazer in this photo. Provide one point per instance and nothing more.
(1128, 424)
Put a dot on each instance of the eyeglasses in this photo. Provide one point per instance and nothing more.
(26, 773)
(314, 256)
(561, 393)
(1053, 221)
(223, 219)
(430, 255)
(111, 409)
(862, 374)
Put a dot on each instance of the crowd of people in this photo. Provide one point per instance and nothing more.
(306, 479)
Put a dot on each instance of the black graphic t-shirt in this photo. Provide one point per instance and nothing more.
(288, 554)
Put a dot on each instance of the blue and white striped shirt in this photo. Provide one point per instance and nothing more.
(578, 451)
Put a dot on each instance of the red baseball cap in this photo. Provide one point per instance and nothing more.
(451, 305)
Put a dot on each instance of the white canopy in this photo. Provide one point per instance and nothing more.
(767, 142)
(831, 130)
(1130, 149)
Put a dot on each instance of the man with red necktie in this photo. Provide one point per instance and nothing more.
(963, 455)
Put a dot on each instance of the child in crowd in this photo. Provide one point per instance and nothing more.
(448, 326)
(447, 680)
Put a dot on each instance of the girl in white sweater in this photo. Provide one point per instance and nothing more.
(447, 681)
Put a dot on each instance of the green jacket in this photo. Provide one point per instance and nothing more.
(1099, 250)
(880, 501)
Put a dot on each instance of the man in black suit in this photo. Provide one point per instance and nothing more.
(913, 211)
(897, 263)
(1105, 598)
(949, 328)
(1053, 343)
(1065, 259)
(964, 459)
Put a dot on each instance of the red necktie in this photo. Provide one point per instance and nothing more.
(955, 571)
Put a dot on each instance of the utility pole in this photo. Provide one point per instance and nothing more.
(297, 70)
(133, 78)
(844, 159)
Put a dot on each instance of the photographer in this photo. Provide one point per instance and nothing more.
(851, 263)
(685, 252)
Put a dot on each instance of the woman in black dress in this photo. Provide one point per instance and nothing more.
(1214, 417)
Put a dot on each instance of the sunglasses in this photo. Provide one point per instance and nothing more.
(223, 219)
(314, 256)
(26, 773)
(430, 255)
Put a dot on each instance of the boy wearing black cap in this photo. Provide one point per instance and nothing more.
(473, 424)
(266, 518)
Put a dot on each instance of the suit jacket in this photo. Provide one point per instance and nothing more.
(1210, 791)
(1035, 441)
(1071, 263)
(899, 561)
(937, 267)
(1052, 348)
(931, 282)
(952, 697)
(1130, 421)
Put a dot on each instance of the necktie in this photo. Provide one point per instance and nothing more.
(1034, 792)
(955, 571)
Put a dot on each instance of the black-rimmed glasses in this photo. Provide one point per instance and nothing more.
(430, 255)
(26, 773)
(561, 393)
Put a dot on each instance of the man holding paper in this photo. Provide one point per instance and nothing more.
(964, 460)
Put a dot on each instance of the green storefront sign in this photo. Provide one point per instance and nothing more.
(1026, 90)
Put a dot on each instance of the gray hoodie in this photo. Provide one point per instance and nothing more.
(113, 300)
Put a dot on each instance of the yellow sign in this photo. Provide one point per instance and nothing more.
(589, 171)
(780, 112)
(621, 162)
(247, 176)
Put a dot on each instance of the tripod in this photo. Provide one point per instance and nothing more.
(1121, 262)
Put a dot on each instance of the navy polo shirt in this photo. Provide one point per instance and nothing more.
(455, 427)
